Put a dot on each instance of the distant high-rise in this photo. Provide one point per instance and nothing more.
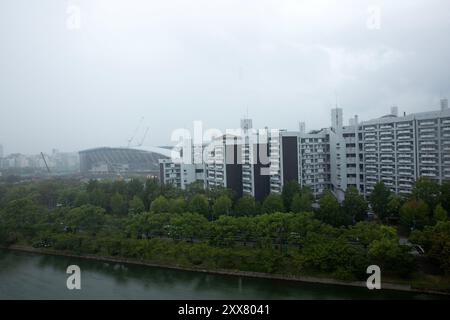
(336, 119)
(246, 124)
(444, 104)
(302, 127)
(1, 151)
(394, 111)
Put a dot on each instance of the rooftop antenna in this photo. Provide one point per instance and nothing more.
(336, 99)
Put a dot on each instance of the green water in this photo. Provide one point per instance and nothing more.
(32, 276)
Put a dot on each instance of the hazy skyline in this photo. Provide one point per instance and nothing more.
(174, 62)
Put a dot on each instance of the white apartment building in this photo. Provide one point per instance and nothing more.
(393, 149)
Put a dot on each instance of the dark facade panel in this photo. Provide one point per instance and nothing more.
(261, 179)
(234, 169)
(290, 158)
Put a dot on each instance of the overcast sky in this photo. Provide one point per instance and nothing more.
(71, 86)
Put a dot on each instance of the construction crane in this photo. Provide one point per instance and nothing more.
(45, 161)
(135, 132)
(143, 138)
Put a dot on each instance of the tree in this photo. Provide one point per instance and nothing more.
(390, 256)
(87, 218)
(439, 213)
(414, 214)
(136, 205)
(354, 204)
(428, 190)
(245, 206)
(301, 203)
(188, 226)
(219, 191)
(393, 206)
(222, 206)
(330, 211)
(273, 203)
(436, 242)
(159, 205)
(379, 199)
(134, 188)
(196, 187)
(445, 195)
(290, 189)
(199, 204)
(81, 198)
(152, 190)
(177, 205)
(20, 216)
(118, 204)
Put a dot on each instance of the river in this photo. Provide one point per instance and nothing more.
(32, 276)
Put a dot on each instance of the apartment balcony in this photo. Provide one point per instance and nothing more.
(428, 155)
(428, 148)
(384, 127)
(404, 137)
(403, 125)
(427, 123)
(404, 155)
(427, 143)
(386, 138)
(427, 174)
(427, 162)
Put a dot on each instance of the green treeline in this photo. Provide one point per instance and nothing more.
(213, 229)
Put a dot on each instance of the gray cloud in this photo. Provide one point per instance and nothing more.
(178, 61)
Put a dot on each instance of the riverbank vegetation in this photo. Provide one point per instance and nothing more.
(285, 234)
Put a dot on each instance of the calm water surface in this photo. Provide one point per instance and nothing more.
(32, 276)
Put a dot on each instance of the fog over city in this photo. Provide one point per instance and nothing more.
(80, 74)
